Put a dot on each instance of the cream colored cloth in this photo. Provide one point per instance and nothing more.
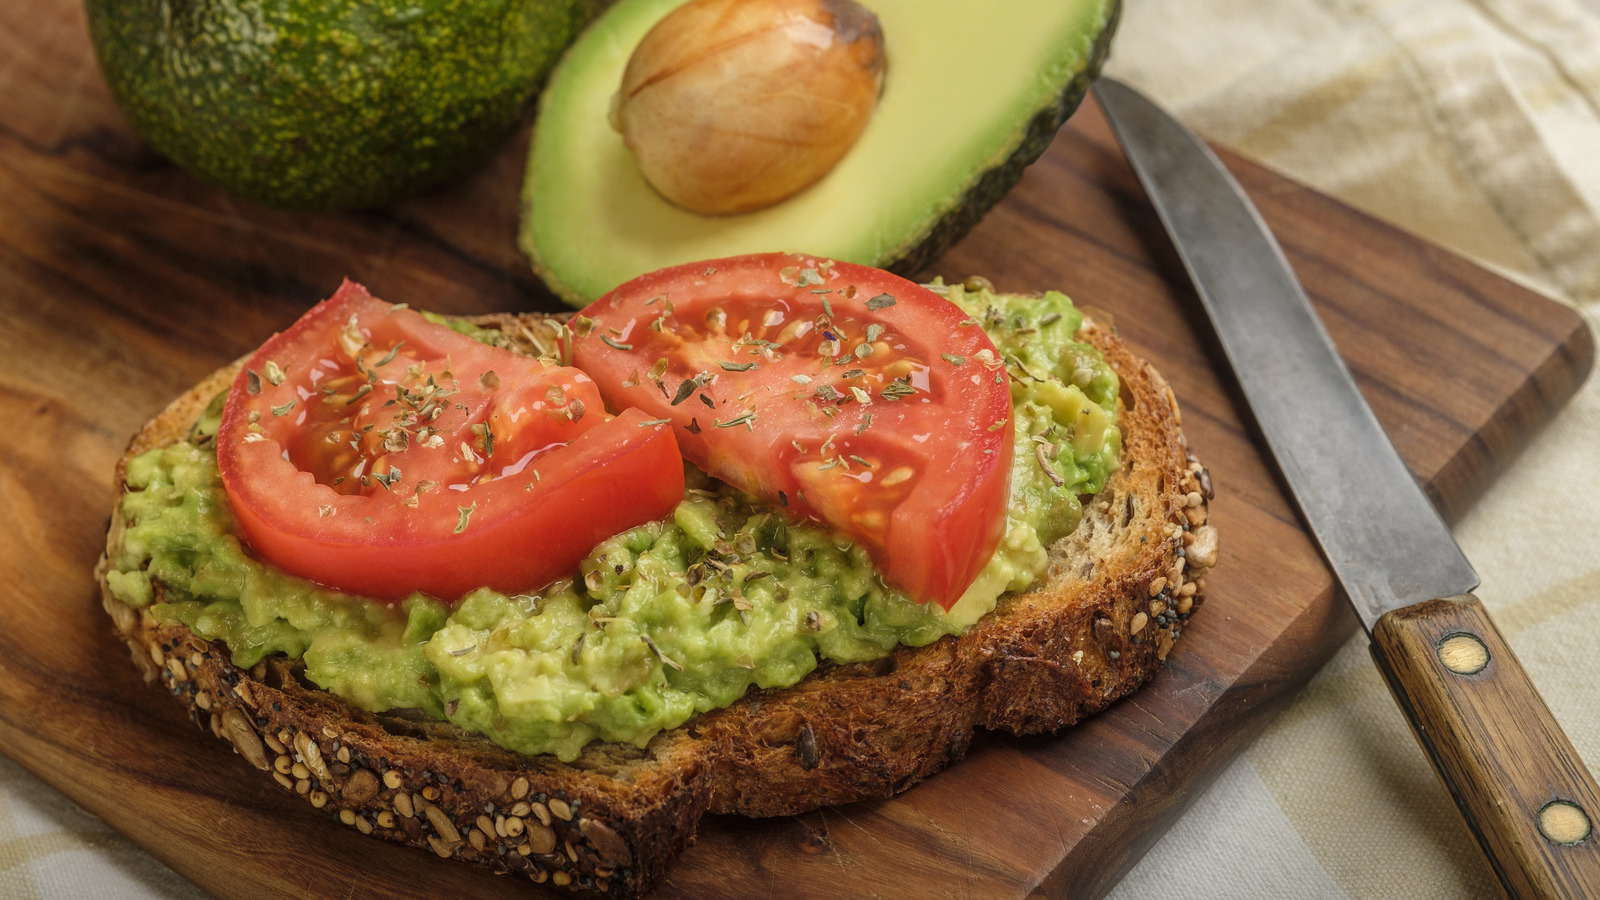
(53, 850)
(1475, 124)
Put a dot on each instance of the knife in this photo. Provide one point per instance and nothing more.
(1524, 793)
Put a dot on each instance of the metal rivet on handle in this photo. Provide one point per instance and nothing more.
(1564, 822)
(1463, 654)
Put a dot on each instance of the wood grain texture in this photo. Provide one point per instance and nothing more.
(1495, 746)
(123, 281)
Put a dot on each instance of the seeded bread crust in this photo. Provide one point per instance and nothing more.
(1116, 596)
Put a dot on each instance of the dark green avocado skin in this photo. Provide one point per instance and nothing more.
(329, 104)
(943, 232)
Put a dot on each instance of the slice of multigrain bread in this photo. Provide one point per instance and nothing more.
(1099, 624)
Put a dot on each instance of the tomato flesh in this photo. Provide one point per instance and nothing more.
(842, 392)
(376, 452)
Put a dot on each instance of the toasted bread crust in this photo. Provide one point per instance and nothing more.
(1100, 624)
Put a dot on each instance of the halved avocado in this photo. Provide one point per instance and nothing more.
(972, 95)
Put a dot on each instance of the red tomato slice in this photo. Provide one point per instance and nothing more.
(376, 452)
(843, 392)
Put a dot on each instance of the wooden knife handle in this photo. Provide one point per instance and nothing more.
(1523, 791)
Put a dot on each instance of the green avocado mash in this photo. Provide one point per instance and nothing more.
(666, 620)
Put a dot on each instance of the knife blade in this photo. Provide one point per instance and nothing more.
(1521, 788)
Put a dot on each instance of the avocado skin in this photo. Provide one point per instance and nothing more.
(942, 233)
(329, 104)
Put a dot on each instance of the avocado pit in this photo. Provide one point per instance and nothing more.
(730, 106)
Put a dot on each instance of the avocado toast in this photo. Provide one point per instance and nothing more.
(1115, 594)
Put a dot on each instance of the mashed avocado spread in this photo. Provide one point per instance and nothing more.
(661, 622)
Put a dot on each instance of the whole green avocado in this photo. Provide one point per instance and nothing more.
(329, 104)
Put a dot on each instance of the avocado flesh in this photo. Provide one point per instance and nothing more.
(970, 98)
(328, 104)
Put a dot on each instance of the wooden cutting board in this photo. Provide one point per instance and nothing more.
(123, 281)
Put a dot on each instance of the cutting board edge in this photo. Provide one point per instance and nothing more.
(1151, 807)
(1497, 444)
(252, 797)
